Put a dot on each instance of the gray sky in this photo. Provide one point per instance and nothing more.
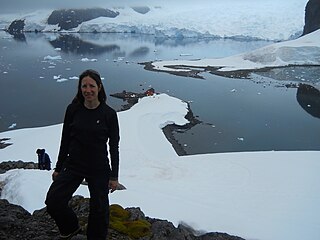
(23, 5)
(18, 5)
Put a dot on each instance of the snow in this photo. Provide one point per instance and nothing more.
(272, 19)
(255, 195)
(302, 51)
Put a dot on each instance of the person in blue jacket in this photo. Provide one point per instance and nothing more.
(89, 125)
(44, 162)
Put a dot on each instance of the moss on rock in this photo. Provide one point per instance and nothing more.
(120, 221)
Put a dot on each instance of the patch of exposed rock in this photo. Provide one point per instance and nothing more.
(8, 165)
(17, 223)
(4, 143)
(312, 16)
(16, 27)
(71, 18)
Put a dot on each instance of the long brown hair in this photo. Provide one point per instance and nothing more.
(96, 77)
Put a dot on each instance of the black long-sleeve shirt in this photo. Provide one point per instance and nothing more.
(84, 139)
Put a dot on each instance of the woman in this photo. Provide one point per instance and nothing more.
(89, 124)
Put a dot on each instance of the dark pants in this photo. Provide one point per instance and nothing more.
(61, 191)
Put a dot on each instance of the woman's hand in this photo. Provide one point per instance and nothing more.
(113, 184)
(54, 175)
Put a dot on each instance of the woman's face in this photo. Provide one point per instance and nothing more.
(89, 89)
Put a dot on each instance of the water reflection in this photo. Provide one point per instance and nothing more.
(19, 37)
(73, 44)
(308, 98)
(140, 52)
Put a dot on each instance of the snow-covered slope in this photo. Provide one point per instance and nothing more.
(302, 51)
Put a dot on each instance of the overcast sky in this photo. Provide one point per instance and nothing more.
(18, 5)
(23, 5)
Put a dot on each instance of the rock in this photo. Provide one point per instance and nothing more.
(312, 16)
(163, 229)
(132, 97)
(3, 143)
(8, 165)
(16, 27)
(17, 223)
(71, 18)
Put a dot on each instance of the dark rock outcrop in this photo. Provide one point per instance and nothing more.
(8, 165)
(132, 97)
(16, 27)
(4, 143)
(17, 223)
(71, 18)
(312, 16)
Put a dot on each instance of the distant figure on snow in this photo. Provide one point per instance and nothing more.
(44, 162)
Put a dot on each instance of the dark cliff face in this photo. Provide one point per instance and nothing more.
(312, 16)
(16, 27)
(71, 18)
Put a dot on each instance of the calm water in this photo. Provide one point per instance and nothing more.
(270, 111)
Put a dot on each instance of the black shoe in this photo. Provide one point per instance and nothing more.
(69, 236)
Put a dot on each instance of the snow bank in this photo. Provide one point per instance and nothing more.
(302, 51)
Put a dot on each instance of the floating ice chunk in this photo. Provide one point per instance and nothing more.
(52, 57)
(62, 80)
(119, 59)
(240, 138)
(57, 49)
(73, 78)
(185, 54)
(56, 77)
(233, 90)
(89, 60)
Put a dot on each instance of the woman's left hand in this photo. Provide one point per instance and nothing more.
(113, 184)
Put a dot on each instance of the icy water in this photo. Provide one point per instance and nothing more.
(273, 110)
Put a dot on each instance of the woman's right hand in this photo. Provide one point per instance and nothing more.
(54, 175)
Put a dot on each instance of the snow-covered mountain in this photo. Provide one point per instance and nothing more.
(271, 20)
